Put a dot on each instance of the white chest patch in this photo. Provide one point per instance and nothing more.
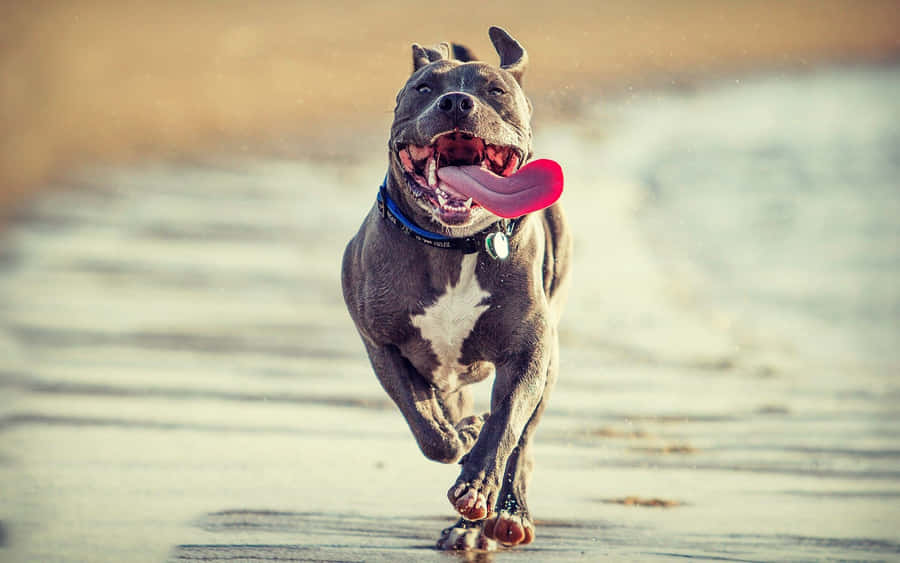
(447, 322)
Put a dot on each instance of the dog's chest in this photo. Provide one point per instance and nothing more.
(446, 323)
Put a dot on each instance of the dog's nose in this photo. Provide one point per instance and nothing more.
(456, 104)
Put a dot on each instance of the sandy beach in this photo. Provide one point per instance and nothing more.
(179, 379)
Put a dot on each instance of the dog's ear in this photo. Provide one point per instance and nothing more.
(513, 57)
(462, 53)
(425, 55)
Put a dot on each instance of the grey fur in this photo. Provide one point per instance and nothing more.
(389, 278)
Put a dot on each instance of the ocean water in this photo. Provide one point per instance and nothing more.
(775, 199)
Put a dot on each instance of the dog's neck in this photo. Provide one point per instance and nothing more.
(396, 188)
(482, 240)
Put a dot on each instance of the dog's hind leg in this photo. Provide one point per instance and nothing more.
(437, 421)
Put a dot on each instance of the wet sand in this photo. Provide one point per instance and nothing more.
(181, 381)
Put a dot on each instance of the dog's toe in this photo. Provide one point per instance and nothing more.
(465, 536)
(509, 528)
(470, 502)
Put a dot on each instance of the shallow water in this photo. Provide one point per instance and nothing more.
(783, 198)
(180, 379)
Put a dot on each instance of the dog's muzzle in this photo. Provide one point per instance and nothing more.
(456, 148)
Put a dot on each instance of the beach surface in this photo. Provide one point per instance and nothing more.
(179, 379)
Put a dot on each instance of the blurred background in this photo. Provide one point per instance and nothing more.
(95, 81)
(179, 378)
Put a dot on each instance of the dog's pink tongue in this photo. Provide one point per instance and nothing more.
(535, 186)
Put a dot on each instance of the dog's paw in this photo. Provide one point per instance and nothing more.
(509, 528)
(469, 428)
(473, 502)
(465, 536)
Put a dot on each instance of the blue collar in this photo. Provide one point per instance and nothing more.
(469, 245)
(385, 200)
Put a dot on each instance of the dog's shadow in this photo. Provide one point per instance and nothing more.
(268, 535)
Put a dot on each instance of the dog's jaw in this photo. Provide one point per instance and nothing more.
(419, 165)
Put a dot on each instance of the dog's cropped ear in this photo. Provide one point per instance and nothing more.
(462, 53)
(513, 57)
(425, 55)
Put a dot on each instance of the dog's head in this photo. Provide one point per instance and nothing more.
(457, 112)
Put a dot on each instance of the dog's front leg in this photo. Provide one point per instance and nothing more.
(437, 421)
(511, 524)
(518, 388)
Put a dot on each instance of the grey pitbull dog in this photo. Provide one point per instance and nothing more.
(444, 293)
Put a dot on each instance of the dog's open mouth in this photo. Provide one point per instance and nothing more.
(421, 164)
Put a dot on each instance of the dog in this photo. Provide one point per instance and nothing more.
(445, 293)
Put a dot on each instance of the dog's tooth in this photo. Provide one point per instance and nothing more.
(431, 172)
(441, 199)
(511, 163)
(468, 203)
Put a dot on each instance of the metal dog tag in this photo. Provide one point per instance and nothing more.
(497, 246)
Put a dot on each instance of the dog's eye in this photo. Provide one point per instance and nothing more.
(423, 88)
(496, 91)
